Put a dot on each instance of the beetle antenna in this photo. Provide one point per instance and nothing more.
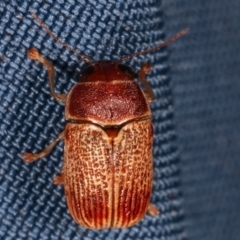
(82, 56)
(170, 40)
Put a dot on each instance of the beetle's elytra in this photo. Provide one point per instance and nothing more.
(107, 171)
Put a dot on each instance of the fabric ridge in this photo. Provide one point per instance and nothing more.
(31, 206)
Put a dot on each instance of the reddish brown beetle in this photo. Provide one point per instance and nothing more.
(107, 172)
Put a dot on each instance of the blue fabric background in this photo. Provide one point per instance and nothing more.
(199, 195)
(205, 74)
(31, 206)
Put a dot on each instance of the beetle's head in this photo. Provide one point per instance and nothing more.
(106, 71)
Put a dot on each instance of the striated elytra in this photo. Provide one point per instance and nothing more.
(107, 171)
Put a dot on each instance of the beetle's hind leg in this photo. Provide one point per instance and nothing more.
(34, 54)
(31, 157)
(59, 179)
(144, 70)
(153, 210)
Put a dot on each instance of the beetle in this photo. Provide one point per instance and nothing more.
(107, 170)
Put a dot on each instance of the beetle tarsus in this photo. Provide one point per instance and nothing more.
(34, 54)
(59, 179)
(30, 157)
(153, 210)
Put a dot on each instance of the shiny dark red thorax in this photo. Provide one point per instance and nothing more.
(106, 94)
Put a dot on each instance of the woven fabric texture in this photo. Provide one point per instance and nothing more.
(31, 206)
(205, 73)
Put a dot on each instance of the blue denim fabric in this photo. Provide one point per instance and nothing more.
(205, 74)
(31, 206)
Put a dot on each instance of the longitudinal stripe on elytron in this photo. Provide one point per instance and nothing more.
(107, 156)
(82, 203)
(99, 200)
(81, 213)
(128, 186)
(80, 188)
(112, 192)
(130, 204)
(126, 205)
(105, 186)
(92, 177)
(89, 187)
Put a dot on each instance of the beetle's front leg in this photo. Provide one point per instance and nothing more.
(144, 70)
(153, 210)
(34, 54)
(31, 157)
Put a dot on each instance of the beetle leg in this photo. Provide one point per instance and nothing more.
(34, 54)
(31, 157)
(59, 179)
(153, 210)
(149, 94)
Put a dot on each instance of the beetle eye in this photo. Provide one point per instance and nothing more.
(125, 69)
(87, 71)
